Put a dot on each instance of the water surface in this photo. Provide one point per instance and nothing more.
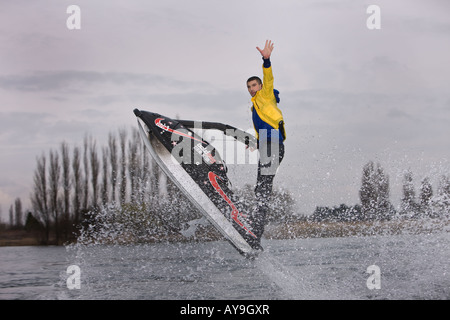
(411, 267)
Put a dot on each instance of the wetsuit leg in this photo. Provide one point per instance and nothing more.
(267, 167)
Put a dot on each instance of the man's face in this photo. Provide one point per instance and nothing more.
(253, 87)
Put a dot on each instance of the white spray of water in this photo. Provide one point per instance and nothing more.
(290, 284)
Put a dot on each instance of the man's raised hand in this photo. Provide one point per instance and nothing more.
(267, 51)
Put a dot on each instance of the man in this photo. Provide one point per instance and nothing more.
(269, 125)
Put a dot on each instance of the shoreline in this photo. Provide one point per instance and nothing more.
(274, 231)
(12, 238)
(307, 229)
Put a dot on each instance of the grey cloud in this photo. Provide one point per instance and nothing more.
(397, 113)
(425, 25)
(74, 80)
(32, 129)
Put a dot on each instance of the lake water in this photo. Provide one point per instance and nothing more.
(409, 267)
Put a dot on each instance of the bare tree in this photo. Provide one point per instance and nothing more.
(442, 200)
(95, 170)
(54, 184)
(408, 204)
(374, 193)
(144, 176)
(368, 191)
(86, 173)
(112, 143)
(133, 164)
(123, 162)
(444, 187)
(384, 206)
(153, 179)
(39, 197)
(66, 187)
(11, 216)
(18, 213)
(77, 182)
(426, 194)
(104, 188)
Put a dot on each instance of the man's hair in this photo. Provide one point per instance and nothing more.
(255, 78)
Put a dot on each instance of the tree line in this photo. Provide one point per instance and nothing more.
(71, 186)
(375, 201)
(118, 184)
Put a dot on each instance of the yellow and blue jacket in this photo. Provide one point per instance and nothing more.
(265, 113)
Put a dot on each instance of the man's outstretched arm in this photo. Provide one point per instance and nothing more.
(267, 89)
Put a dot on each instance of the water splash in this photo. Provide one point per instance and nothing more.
(290, 285)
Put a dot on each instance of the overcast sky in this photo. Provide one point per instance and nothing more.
(348, 94)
